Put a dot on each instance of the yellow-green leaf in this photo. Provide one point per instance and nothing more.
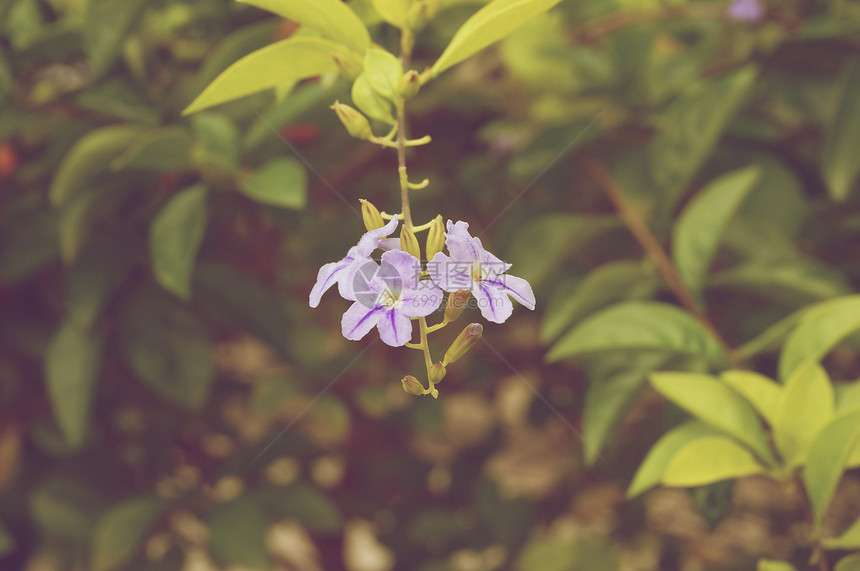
(716, 404)
(849, 539)
(280, 182)
(383, 71)
(710, 459)
(826, 462)
(174, 238)
(702, 224)
(762, 393)
(331, 18)
(370, 102)
(848, 563)
(771, 565)
(392, 11)
(288, 60)
(807, 405)
(487, 26)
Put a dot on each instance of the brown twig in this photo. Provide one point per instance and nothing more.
(652, 248)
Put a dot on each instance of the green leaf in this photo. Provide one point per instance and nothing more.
(762, 393)
(849, 539)
(7, 542)
(121, 530)
(771, 565)
(107, 25)
(167, 347)
(847, 396)
(807, 406)
(72, 364)
(164, 149)
(90, 156)
(716, 404)
(609, 395)
(826, 462)
(839, 161)
(650, 472)
(821, 327)
(702, 224)
(383, 72)
(308, 56)
(63, 506)
(308, 506)
(848, 563)
(691, 127)
(331, 18)
(393, 11)
(710, 459)
(608, 283)
(798, 280)
(77, 217)
(772, 337)
(370, 102)
(175, 237)
(237, 531)
(638, 325)
(488, 25)
(280, 182)
(215, 149)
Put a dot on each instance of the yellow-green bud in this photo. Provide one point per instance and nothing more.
(350, 67)
(356, 123)
(464, 341)
(409, 243)
(435, 237)
(456, 304)
(421, 12)
(370, 214)
(412, 386)
(410, 84)
(437, 373)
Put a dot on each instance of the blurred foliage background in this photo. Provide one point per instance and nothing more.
(224, 425)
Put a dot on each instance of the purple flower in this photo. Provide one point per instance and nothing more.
(746, 10)
(387, 296)
(340, 272)
(471, 267)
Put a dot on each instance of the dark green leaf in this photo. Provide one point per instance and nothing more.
(237, 531)
(839, 162)
(164, 149)
(121, 530)
(107, 23)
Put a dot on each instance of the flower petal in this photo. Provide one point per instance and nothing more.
(395, 329)
(421, 301)
(518, 288)
(461, 245)
(449, 274)
(493, 302)
(389, 244)
(370, 241)
(359, 319)
(405, 264)
(329, 275)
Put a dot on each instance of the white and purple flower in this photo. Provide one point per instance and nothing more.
(746, 10)
(471, 267)
(340, 272)
(387, 297)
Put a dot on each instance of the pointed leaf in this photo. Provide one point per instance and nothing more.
(650, 472)
(383, 72)
(826, 461)
(839, 161)
(71, 368)
(370, 102)
(288, 60)
(280, 182)
(710, 459)
(702, 224)
(237, 534)
(761, 392)
(716, 404)
(821, 327)
(164, 149)
(850, 539)
(121, 530)
(331, 18)
(488, 25)
(175, 237)
(107, 25)
(806, 407)
(638, 325)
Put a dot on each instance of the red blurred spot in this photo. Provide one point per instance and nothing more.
(285, 30)
(301, 133)
(168, 182)
(8, 160)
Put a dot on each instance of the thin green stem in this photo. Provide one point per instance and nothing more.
(437, 327)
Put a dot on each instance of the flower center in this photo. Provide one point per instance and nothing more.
(389, 299)
(477, 274)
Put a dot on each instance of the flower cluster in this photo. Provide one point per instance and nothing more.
(391, 293)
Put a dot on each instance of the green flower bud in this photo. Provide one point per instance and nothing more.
(421, 12)
(437, 373)
(412, 386)
(409, 243)
(467, 338)
(370, 214)
(435, 237)
(456, 304)
(410, 84)
(355, 122)
(350, 67)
